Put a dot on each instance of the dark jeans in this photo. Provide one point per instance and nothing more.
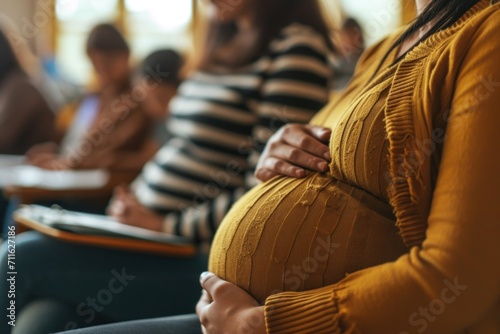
(3, 211)
(99, 285)
(7, 207)
(184, 324)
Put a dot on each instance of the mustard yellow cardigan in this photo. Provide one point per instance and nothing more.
(446, 197)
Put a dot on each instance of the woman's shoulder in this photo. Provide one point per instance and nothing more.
(486, 20)
(492, 13)
(477, 35)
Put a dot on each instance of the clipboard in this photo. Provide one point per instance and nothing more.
(107, 241)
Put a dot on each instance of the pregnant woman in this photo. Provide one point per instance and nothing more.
(262, 64)
(400, 235)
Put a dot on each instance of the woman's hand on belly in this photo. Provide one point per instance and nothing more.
(226, 308)
(293, 151)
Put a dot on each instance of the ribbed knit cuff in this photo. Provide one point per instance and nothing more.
(314, 311)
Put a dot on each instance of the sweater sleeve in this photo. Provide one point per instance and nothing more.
(295, 87)
(452, 281)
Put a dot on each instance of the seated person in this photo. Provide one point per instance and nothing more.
(400, 235)
(25, 117)
(253, 76)
(158, 78)
(106, 123)
(160, 89)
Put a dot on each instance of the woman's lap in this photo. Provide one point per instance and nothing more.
(102, 283)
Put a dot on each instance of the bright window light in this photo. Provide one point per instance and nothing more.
(66, 9)
(70, 9)
(169, 15)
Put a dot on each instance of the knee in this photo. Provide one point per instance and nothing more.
(20, 248)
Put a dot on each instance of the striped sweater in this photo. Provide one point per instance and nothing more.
(220, 121)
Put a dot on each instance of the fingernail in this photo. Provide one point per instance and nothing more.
(204, 274)
(300, 172)
(323, 166)
(327, 155)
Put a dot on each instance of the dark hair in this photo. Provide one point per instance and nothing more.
(273, 15)
(351, 24)
(165, 63)
(8, 59)
(106, 38)
(446, 12)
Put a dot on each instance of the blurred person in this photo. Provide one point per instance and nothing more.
(104, 128)
(352, 43)
(170, 63)
(157, 78)
(105, 123)
(25, 117)
(352, 39)
(262, 64)
(158, 96)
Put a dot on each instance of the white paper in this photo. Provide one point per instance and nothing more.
(11, 160)
(31, 176)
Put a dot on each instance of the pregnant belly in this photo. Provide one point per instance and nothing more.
(301, 234)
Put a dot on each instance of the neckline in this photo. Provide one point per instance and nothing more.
(424, 47)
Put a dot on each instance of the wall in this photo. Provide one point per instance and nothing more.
(32, 20)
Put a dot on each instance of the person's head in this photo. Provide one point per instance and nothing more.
(109, 53)
(351, 37)
(267, 18)
(160, 78)
(8, 59)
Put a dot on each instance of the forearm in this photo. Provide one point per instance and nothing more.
(412, 294)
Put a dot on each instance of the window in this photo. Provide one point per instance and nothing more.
(153, 24)
(147, 24)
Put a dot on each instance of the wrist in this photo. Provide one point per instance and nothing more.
(256, 320)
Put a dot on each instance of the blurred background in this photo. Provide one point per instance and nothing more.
(55, 30)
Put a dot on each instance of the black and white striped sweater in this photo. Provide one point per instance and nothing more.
(219, 123)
